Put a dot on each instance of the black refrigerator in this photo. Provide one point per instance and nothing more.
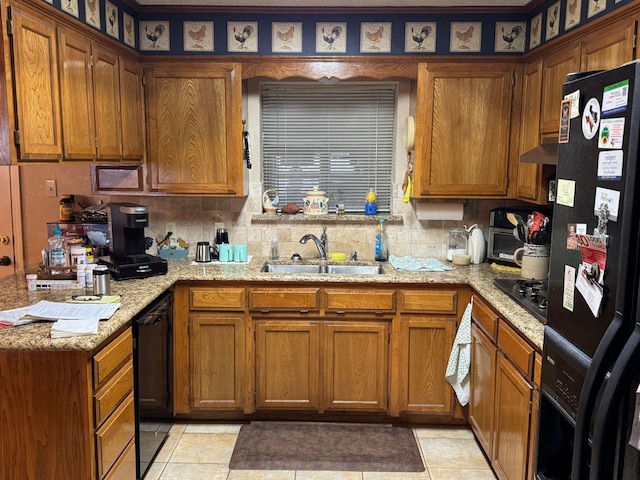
(591, 357)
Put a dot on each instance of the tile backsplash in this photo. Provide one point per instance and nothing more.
(196, 219)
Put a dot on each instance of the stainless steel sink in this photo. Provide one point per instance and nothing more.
(331, 269)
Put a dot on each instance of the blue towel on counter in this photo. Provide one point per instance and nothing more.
(457, 373)
(418, 264)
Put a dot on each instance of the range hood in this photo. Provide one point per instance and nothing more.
(545, 153)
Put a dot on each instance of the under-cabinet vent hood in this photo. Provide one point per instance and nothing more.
(546, 152)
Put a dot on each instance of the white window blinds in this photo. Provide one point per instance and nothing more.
(337, 137)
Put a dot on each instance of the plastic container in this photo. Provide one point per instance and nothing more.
(381, 242)
(371, 203)
(57, 249)
(273, 253)
(66, 208)
(32, 283)
(458, 243)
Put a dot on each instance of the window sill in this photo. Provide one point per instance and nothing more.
(330, 218)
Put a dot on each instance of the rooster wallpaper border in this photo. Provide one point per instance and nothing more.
(242, 37)
(198, 36)
(548, 20)
(111, 16)
(155, 35)
(510, 36)
(331, 37)
(466, 37)
(286, 37)
(375, 37)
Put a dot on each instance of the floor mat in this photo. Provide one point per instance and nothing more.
(326, 446)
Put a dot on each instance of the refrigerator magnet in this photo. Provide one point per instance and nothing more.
(568, 292)
(610, 165)
(591, 118)
(609, 200)
(591, 291)
(611, 133)
(615, 98)
(566, 192)
(565, 112)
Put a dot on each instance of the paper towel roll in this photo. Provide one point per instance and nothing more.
(439, 210)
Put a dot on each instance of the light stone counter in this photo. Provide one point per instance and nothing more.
(137, 294)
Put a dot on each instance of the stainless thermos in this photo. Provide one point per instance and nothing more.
(203, 252)
(101, 280)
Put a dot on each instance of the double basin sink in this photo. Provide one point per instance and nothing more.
(327, 269)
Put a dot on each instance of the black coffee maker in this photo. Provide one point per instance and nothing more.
(127, 258)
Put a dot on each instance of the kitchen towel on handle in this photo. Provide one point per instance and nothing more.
(457, 373)
(418, 264)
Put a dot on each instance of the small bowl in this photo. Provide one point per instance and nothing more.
(460, 259)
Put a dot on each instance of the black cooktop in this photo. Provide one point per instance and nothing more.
(530, 294)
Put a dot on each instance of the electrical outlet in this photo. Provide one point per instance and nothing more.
(171, 227)
(51, 188)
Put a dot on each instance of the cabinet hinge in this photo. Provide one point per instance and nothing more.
(9, 27)
(16, 137)
(144, 80)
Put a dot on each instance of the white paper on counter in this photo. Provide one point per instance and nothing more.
(218, 262)
(74, 328)
(45, 310)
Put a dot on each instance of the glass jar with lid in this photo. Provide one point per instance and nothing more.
(458, 242)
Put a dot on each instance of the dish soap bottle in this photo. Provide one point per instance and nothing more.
(274, 255)
(57, 250)
(381, 242)
(370, 205)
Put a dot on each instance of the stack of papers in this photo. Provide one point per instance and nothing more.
(70, 319)
(74, 328)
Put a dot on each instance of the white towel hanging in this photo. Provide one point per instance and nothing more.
(457, 373)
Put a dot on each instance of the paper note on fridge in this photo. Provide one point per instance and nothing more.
(591, 291)
(610, 165)
(609, 199)
(611, 133)
(566, 190)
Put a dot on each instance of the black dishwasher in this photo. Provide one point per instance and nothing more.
(152, 355)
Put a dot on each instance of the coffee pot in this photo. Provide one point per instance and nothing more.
(221, 237)
(204, 252)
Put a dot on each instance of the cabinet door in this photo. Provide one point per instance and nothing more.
(511, 430)
(217, 350)
(463, 116)
(37, 100)
(131, 109)
(287, 364)
(555, 68)
(195, 125)
(106, 86)
(606, 50)
(481, 406)
(530, 182)
(356, 365)
(76, 94)
(425, 345)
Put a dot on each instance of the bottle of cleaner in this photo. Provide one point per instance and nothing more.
(381, 242)
(370, 203)
(274, 254)
(57, 250)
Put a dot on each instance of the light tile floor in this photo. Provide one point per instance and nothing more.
(202, 452)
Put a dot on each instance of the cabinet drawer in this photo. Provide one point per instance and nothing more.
(518, 351)
(114, 435)
(216, 298)
(437, 301)
(110, 358)
(109, 396)
(125, 467)
(284, 299)
(484, 316)
(360, 300)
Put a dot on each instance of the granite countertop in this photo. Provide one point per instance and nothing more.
(137, 294)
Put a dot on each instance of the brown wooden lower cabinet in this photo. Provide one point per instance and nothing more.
(504, 393)
(76, 408)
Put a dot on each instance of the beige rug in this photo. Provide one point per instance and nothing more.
(326, 446)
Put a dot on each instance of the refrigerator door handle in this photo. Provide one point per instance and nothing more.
(606, 423)
(603, 358)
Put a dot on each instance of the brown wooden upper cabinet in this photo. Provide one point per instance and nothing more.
(101, 102)
(37, 128)
(195, 128)
(464, 129)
